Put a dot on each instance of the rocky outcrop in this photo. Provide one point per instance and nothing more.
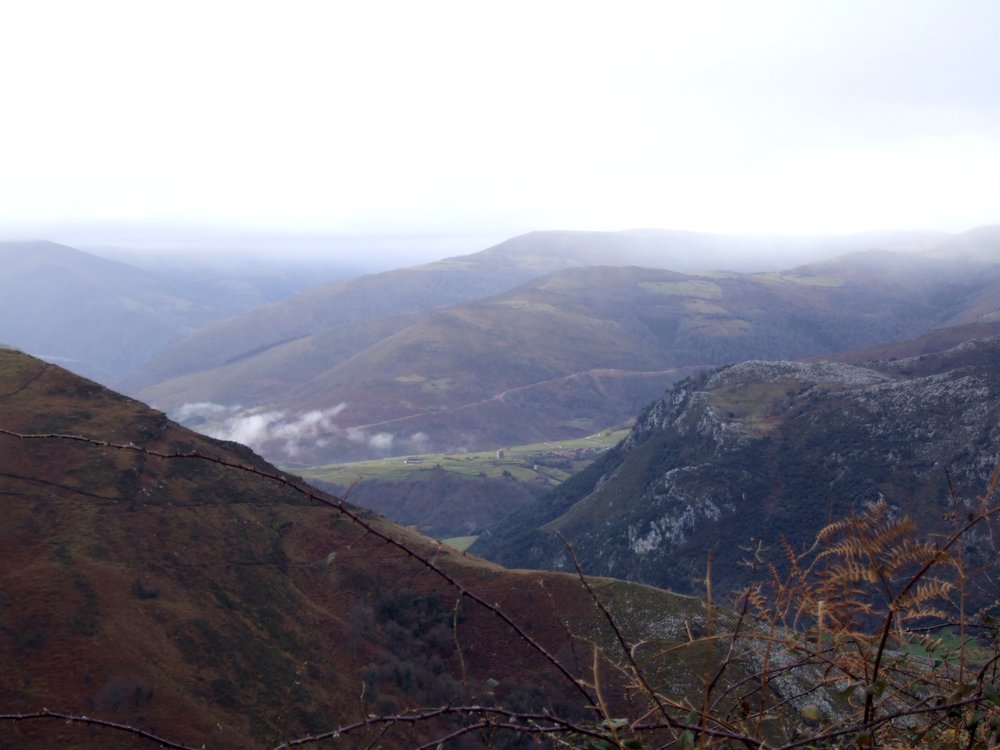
(763, 451)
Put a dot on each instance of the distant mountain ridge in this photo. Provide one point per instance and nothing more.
(762, 450)
(564, 354)
(492, 271)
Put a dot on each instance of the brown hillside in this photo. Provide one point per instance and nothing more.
(216, 606)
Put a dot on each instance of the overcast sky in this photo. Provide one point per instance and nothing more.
(494, 118)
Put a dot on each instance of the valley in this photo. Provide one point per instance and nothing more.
(459, 494)
(499, 376)
(529, 342)
(470, 400)
(153, 573)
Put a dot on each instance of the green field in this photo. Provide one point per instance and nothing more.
(549, 462)
(461, 543)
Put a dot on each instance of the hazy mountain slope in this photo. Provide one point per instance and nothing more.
(268, 374)
(972, 247)
(237, 265)
(562, 355)
(762, 449)
(214, 607)
(470, 277)
(330, 306)
(101, 317)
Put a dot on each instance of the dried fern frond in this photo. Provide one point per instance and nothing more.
(849, 548)
(927, 590)
(912, 551)
(832, 529)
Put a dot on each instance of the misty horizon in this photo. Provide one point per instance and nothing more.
(415, 133)
(164, 246)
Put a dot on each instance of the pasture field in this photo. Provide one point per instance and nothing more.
(549, 462)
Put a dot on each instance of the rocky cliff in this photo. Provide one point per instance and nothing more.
(763, 451)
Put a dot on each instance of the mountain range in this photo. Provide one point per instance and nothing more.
(153, 573)
(497, 269)
(368, 368)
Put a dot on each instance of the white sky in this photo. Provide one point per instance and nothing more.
(495, 118)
